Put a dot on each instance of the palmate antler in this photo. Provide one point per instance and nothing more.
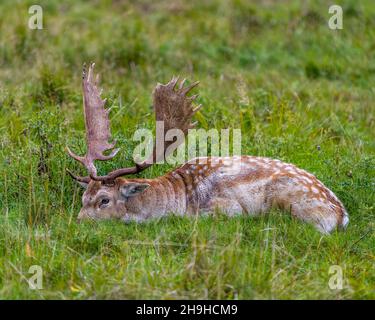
(172, 106)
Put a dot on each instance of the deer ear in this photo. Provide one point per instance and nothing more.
(132, 189)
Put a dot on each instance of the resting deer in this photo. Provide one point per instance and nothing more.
(202, 185)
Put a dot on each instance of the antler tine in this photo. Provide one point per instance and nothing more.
(78, 178)
(96, 122)
(197, 108)
(172, 84)
(182, 83)
(75, 157)
(189, 88)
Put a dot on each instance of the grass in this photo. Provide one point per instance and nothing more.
(299, 92)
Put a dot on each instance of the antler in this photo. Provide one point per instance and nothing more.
(97, 125)
(172, 106)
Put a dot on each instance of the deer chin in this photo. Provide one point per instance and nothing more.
(129, 217)
(85, 214)
(106, 214)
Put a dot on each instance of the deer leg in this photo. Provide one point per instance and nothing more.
(289, 194)
(324, 218)
(227, 206)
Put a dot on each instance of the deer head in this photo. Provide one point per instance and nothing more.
(107, 196)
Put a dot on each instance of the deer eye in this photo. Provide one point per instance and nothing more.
(103, 202)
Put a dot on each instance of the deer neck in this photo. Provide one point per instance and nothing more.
(165, 195)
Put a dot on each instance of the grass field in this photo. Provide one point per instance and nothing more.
(298, 90)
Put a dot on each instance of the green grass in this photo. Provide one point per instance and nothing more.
(299, 92)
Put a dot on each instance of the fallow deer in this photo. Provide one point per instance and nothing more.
(202, 185)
